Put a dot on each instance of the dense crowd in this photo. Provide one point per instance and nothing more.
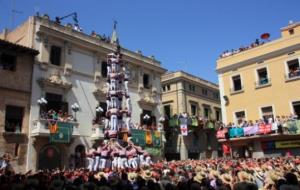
(57, 116)
(243, 48)
(281, 125)
(280, 173)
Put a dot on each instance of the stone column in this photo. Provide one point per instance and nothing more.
(140, 79)
(67, 59)
(181, 97)
(97, 67)
(44, 50)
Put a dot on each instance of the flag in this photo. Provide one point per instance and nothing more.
(148, 137)
(156, 139)
(184, 129)
(63, 133)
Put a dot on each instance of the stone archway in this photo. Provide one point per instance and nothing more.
(49, 157)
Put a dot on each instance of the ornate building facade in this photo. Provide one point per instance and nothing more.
(185, 93)
(16, 65)
(70, 74)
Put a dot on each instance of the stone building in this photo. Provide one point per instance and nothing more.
(16, 65)
(183, 92)
(71, 68)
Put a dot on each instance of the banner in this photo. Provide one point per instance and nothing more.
(148, 137)
(194, 122)
(153, 151)
(63, 133)
(138, 137)
(287, 144)
(251, 130)
(221, 134)
(156, 139)
(210, 125)
(236, 132)
(265, 129)
(293, 127)
(184, 130)
(173, 122)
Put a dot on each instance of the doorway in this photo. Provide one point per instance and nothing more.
(49, 158)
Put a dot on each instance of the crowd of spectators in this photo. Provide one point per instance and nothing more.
(282, 125)
(282, 173)
(56, 116)
(294, 72)
(235, 51)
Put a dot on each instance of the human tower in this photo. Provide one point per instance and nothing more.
(118, 152)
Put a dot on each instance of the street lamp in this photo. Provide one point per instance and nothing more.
(42, 102)
(99, 109)
(146, 119)
(75, 108)
(162, 119)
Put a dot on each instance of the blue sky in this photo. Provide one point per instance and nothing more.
(184, 35)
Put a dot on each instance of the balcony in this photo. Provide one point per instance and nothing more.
(40, 127)
(236, 90)
(97, 132)
(263, 82)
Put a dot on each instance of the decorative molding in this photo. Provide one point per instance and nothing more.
(43, 65)
(147, 100)
(97, 77)
(100, 92)
(54, 80)
(68, 70)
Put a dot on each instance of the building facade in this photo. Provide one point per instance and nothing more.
(71, 69)
(185, 93)
(16, 65)
(262, 82)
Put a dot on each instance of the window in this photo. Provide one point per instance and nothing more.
(148, 121)
(291, 31)
(206, 112)
(237, 83)
(104, 69)
(13, 118)
(267, 112)
(8, 62)
(192, 88)
(204, 91)
(167, 110)
(100, 115)
(218, 115)
(56, 103)
(216, 95)
(168, 87)
(262, 75)
(296, 108)
(55, 55)
(146, 81)
(193, 109)
(293, 68)
(239, 116)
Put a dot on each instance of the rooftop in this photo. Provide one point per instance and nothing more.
(182, 74)
(94, 37)
(16, 47)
